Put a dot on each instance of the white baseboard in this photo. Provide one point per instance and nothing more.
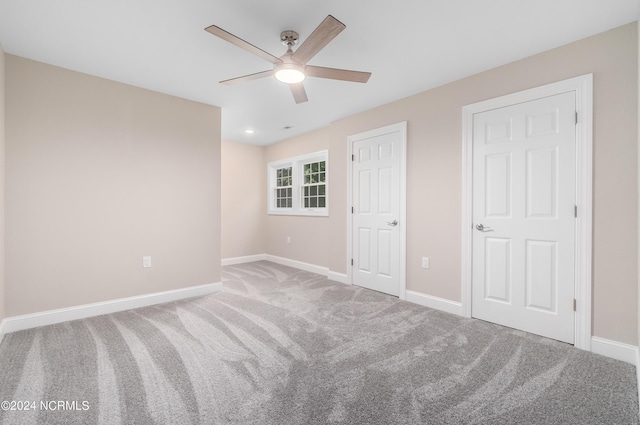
(28, 321)
(615, 350)
(338, 277)
(2, 331)
(612, 349)
(437, 303)
(298, 264)
(242, 260)
(335, 276)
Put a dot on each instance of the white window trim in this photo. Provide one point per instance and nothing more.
(296, 164)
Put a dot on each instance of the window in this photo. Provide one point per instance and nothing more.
(299, 186)
(283, 188)
(314, 185)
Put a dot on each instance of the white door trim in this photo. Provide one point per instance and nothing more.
(400, 127)
(583, 87)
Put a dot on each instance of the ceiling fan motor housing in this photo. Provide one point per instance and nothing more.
(289, 38)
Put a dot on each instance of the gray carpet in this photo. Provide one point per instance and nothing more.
(283, 346)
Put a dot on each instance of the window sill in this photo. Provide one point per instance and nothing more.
(318, 213)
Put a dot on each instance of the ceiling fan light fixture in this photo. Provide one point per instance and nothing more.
(291, 68)
(289, 73)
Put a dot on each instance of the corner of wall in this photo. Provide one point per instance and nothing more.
(141, 177)
(244, 204)
(303, 239)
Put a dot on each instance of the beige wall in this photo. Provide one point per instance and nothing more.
(434, 174)
(2, 168)
(244, 200)
(98, 175)
(309, 241)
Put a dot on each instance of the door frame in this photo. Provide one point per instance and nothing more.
(583, 87)
(400, 127)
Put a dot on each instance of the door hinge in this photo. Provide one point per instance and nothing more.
(352, 210)
(575, 211)
(575, 305)
(576, 117)
(353, 157)
(352, 261)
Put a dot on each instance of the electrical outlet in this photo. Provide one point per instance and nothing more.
(146, 261)
(288, 239)
(425, 262)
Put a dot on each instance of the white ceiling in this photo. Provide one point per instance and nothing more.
(408, 45)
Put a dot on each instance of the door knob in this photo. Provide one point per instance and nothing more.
(483, 229)
(393, 223)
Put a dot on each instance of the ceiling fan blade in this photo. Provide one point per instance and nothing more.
(320, 37)
(227, 36)
(299, 93)
(249, 77)
(337, 74)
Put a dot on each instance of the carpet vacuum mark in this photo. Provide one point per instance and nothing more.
(284, 346)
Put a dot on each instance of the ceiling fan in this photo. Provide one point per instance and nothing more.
(292, 68)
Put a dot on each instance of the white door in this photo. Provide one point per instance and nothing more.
(377, 216)
(524, 195)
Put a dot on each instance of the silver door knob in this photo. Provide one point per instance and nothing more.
(483, 229)
(393, 223)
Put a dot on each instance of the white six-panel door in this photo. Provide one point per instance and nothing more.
(524, 196)
(377, 218)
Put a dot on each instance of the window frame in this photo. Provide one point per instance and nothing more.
(286, 188)
(297, 171)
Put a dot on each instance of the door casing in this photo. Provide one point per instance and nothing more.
(400, 127)
(583, 87)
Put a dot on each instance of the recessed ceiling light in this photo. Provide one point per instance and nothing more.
(249, 131)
